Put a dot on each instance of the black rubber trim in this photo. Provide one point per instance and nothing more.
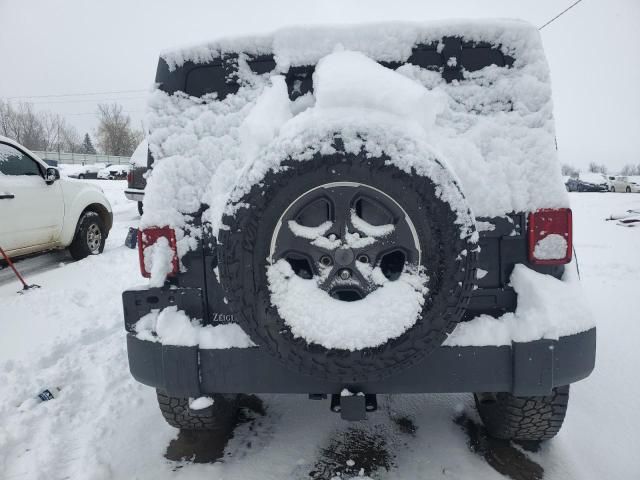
(448, 369)
(169, 368)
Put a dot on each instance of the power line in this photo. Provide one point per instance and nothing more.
(560, 14)
(96, 113)
(85, 94)
(91, 100)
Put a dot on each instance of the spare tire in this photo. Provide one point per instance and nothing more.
(344, 189)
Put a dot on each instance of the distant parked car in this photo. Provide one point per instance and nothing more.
(136, 180)
(588, 182)
(82, 171)
(624, 183)
(113, 172)
(40, 211)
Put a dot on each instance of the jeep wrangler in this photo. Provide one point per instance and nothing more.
(346, 212)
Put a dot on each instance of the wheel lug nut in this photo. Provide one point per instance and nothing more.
(363, 259)
(326, 260)
(345, 274)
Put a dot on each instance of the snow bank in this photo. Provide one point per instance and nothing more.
(171, 326)
(547, 308)
(318, 318)
(493, 129)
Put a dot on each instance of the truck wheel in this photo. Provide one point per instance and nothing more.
(140, 209)
(628, 190)
(81, 176)
(176, 412)
(331, 191)
(523, 418)
(91, 235)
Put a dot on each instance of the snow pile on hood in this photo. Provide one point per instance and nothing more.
(314, 315)
(493, 129)
(171, 326)
(547, 308)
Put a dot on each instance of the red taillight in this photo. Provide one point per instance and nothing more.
(550, 236)
(148, 237)
(130, 178)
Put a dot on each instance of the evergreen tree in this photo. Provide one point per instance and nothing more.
(87, 145)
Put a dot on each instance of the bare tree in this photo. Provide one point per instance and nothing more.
(630, 170)
(115, 134)
(597, 168)
(37, 130)
(570, 171)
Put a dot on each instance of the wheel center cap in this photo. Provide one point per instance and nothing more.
(344, 256)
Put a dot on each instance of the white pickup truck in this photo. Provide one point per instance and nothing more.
(40, 211)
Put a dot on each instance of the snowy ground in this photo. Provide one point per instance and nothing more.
(103, 424)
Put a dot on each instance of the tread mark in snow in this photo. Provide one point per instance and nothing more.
(351, 452)
(501, 455)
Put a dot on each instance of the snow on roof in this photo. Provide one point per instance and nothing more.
(493, 128)
(389, 41)
(139, 156)
(590, 177)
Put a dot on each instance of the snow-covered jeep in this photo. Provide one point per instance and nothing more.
(360, 210)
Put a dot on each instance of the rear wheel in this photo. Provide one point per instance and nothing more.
(90, 237)
(177, 413)
(628, 189)
(523, 418)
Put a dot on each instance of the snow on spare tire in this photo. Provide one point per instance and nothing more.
(286, 297)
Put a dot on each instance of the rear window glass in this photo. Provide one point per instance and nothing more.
(450, 57)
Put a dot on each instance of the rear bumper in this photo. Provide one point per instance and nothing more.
(531, 368)
(134, 194)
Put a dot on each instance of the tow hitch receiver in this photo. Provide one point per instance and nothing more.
(353, 407)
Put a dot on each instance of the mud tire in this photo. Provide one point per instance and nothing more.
(525, 418)
(79, 247)
(220, 415)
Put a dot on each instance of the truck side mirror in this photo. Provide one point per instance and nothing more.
(52, 174)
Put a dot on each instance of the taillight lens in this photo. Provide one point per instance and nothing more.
(130, 177)
(147, 238)
(550, 236)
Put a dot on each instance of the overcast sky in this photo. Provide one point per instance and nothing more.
(59, 47)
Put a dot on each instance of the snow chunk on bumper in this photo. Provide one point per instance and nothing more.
(547, 308)
(171, 326)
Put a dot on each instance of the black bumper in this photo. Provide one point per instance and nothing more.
(532, 368)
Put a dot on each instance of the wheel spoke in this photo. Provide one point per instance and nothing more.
(342, 200)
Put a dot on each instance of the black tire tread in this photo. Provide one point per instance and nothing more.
(175, 411)
(525, 418)
(79, 248)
